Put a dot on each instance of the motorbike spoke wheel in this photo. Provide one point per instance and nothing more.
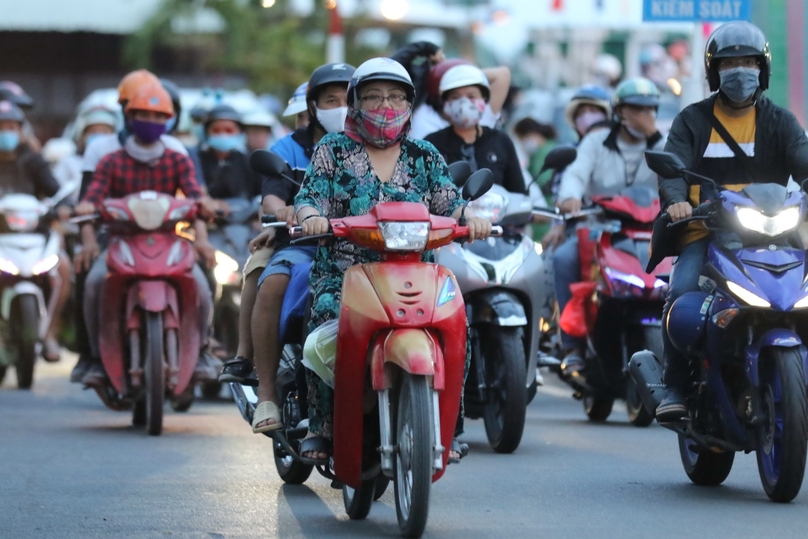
(155, 374)
(598, 409)
(703, 466)
(505, 410)
(27, 334)
(358, 502)
(412, 465)
(783, 438)
(291, 471)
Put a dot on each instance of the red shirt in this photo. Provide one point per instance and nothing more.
(118, 175)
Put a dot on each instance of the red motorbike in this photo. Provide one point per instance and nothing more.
(149, 339)
(400, 357)
(617, 307)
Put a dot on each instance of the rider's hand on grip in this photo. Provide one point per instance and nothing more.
(314, 226)
(85, 208)
(287, 214)
(571, 205)
(680, 211)
(479, 228)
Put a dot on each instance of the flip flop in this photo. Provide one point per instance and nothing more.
(315, 444)
(264, 411)
(460, 448)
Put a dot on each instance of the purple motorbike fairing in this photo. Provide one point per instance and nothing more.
(730, 199)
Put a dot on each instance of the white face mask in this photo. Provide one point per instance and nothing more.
(332, 120)
(464, 112)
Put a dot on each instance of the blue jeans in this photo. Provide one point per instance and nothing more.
(567, 270)
(282, 261)
(684, 278)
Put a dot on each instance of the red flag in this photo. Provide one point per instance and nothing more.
(558, 5)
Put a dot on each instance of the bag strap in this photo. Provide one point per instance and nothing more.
(724, 134)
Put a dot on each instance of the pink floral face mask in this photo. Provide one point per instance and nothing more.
(464, 112)
(380, 128)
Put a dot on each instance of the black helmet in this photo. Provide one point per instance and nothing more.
(223, 112)
(328, 74)
(10, 111)
(174, 91)
(11, 91)
(732, 40)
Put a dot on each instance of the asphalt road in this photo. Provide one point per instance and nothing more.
(71, 468)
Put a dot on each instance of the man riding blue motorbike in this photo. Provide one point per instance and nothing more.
(761, 142)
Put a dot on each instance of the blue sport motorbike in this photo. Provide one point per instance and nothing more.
(744, 333)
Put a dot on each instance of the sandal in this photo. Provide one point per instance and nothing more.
(51, 351)
(315, 444)
(461, 449)
(263, 412)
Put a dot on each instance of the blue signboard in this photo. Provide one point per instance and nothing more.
(697, 10)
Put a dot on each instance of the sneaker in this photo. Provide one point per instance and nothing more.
(81, 368)
(236, 370)
(672, 408)
(573, 363)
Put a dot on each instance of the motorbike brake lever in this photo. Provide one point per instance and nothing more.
(689, 220)
(84, 218)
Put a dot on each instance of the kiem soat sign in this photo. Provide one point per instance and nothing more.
(697, 10)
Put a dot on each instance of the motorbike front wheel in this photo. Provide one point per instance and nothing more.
(358, 502)
(291, 471)
(27, 333)
(155, 374)
(783, 439)
(637, 414)
(412, 466)
(505, 410)
(598, 409)
(702, 466)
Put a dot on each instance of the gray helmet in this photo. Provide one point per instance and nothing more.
(11, 112)
(734, 39)
(325, 75)
(223, 112)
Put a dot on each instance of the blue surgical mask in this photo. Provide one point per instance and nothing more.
(93, 137)
(9, 140)
(226, 143)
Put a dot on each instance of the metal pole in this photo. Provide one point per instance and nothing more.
(335, 47)
(693, 89)
(795, 57)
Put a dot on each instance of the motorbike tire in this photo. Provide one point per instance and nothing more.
(706, 469)
(358, 502)
(382, 482)
(183, 401)
(598, 409)
(783, 440)
(637, 414)
(139, 413)
(291, 471)
(28, 312)
(412, 465)
(505, 411)
(155, 374)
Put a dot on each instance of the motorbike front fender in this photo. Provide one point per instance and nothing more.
(413, 351)
(778, 337)
(19, 289)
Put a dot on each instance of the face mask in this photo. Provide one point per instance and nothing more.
(90, 138)
(226, 143)
(634, 133)
(147, 132)
(585, 120)
(529, 146)
(380, 128)
(332, 120)
(464, 112)
(9, 140)
(739, 83)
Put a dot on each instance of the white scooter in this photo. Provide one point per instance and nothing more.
(29, 282)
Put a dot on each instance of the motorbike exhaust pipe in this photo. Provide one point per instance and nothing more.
(646, 371)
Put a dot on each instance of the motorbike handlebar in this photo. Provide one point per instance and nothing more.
(556, 214)
(700, 213)
(296, 232)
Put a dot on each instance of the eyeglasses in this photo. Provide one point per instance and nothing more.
(375, 101)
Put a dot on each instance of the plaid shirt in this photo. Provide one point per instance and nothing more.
(118, 175)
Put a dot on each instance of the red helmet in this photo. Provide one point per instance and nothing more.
(436, 73)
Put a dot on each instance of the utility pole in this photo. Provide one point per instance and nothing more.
(335, 47)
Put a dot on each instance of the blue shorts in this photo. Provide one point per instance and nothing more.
(282, 261)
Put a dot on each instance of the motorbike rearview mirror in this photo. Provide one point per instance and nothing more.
(460, 172)
(478, 184)
(559, 158)
(666, 164)
(64, 191)
(270, 164)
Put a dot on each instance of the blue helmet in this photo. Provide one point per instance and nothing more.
(687, 320)
(590, 94)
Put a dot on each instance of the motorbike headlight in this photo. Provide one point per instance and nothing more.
(777, 224)
(490, 206)
(22, 221)
(400, 236)
(745, 295)
(801, 304)
(226, 269)
(178, 214)
(45, 265)
(627, 278)
(7, 266)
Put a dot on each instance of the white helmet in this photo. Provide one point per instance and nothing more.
(461, 76)
(259, 118)
(607, 67)
(94, 116)
(297, 103)
(380, 69)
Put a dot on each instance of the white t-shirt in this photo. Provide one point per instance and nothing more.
(425, 121)
(109, 143)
